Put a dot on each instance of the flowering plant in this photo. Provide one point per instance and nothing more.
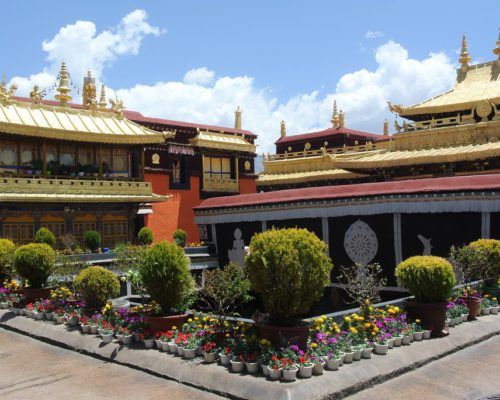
(288, 364)
(124, 331)
(72, 314)
(30, 307)
(210, 347)
(275, 363)
(3, 295)
(168, 336)
(146, 334)
(84, 320)
(382, 338)
(107, 328)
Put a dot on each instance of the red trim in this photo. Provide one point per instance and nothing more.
(448, 184)
(327, 133)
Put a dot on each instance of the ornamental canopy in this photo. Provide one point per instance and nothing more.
(65, 123)
(222, 141)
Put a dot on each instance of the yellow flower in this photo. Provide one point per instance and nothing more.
(353, 330)
(228, 335)
(314, 345)
(417, 321)
(375, 329)
(200, 326)
(373, 333)
(174, 328)
(396, 309)
(494, 298)
(392, 311)
(190, 320)
(347, 319)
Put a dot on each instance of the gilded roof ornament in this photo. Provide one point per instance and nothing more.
(395, 108)
(282, 129)
(341, 119)
(6, 94)
(36, 95)
(335, 115)
(117, 107)
(102, 100)
(89, 92)
(237, 118)
(386, 127)
(63, 89)
(464, 59)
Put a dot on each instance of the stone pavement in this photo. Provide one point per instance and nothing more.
(348, 380)
(30, 369)
(469, 374)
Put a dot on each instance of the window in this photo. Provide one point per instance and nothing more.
(179, 177)
(86, 155)
(79, 228)
(68, 156)
(58, 229)
(8, 157)
(29, 153)
(217, 167)
(120, 162)
(114, 232)
(21, 233)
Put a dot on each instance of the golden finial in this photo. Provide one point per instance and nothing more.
(386, 127)
(341, 119)
(6, 94)
(464, 59)
(335, 115)
(282, 129)
(237, 118)
(117, 107)
(102, 100)
(63, 88)
(89, 91)
(36, 95)
(496, 50)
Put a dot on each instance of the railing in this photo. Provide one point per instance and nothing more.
(6, 174)
(220, 185)
(322, 152)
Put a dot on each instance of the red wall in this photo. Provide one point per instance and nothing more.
(178, 212)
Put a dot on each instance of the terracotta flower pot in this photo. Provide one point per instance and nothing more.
(432, 315)
(280, 335)
(473, 304)
(162, 324)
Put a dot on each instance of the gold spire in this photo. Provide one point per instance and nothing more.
(341, 119)
(102, 100)
(283, 129)
(464, 59)
(237, 118)
(335, 115)
(63, 89)
(89, 91)
(496, 50)
(386, 127)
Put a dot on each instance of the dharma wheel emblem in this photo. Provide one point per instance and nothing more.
(360, 243)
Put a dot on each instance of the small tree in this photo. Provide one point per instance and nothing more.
(226, 289)
(34, 263)
(180, 237)
(97, 285)
(43, 235)
(92, 240)
(362, 283)
(468, 263)
(488, 251)
(145, 236)
(7, 248)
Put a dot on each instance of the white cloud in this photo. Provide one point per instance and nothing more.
(82, 48)
(205, 98)
(373, 34)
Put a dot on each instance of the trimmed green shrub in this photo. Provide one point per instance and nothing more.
(97, 285)
(180, 237)
(35, 262)
(429, 278)
(145, 236)
(92, 240)
(43, 235)
(7, 248)
(289, 269)
(165, 275)
(489, 257)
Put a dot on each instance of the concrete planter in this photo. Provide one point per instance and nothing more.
(397, 341)
(406, 340)
(107, 338)
(290, 375)
(237, 366)
(209, 358)
(348, 357)
(274, 374)
(252, 367)
(381, 349)
(225, 358)
(148, 343)
(319, 367)
(305, 371)
(333, 364)
(189, 353)
(417, 336)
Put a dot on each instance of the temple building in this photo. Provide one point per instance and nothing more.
(381, 198)
(72, 168)
(454, 133)
(195, 162)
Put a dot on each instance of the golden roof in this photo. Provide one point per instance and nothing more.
(222, 141)
(56, 122)
(75, 191)
(308, 176)
(426, 156)
(477, 83)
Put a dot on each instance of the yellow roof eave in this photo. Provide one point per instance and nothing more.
(222, 141)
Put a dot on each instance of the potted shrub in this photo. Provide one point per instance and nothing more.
(145, 236)
(92, 240)
(289, 269)
(34, 263)
(7, 248)
(490, 252)
(43, 235)
(430, 279)
(165, 275)
(96, 285)
(180, 237)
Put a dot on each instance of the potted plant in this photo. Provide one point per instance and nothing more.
(145, 236)
(381, 345)
(251, 359)
(180, 237)
(85, 323)
(486, 305)
(96, 285)
(107, 332)
(288, 269)
(147, 338)
(165, 275)
(92, 240)
(125, 335)
(289, 369)
(38, 311)
(72, 318)
(489, 257)
(494, 306)
(430, 279)
(190, 347)
(225, 355)
(37, 166)
(34, 263)
(209, 352)
(275, 368)
(59, 316)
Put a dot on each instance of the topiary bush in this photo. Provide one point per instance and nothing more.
(289, 269)
(97, 285)
(7, 248)
(92, 240)
(165, 275)
(429, 278)
(488, 255)
(43, 235)
(145, 236)
(180, 237)
(34, 263)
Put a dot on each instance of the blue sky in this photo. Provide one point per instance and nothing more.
(276, 59)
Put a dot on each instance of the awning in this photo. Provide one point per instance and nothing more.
(223, 141)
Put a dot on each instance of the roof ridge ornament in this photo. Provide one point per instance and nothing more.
(6, 94)
(465, 58)
(335, 115)
(101, 106)
(237, 118)
(63, 88)
(341, 119)
(282, 129)
(117, 107)
(36, 95)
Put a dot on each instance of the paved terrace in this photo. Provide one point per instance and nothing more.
(350, 379)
